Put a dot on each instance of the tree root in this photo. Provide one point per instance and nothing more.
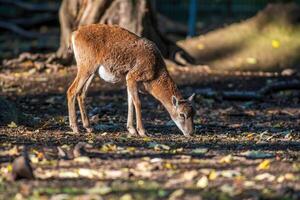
(39, 61)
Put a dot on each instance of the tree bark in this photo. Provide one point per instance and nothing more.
(137, 16)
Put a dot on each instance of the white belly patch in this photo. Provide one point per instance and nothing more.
(107, 75)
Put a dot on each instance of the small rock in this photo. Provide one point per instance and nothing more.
(21, 168)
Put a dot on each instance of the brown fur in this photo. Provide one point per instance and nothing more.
(127, 57)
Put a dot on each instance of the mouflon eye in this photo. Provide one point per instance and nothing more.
(182, 115)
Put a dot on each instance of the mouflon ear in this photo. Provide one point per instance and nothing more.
(175, 101)
(191, 98)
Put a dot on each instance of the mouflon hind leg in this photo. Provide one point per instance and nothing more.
(81, 102)
(74, 90)
(71, 105)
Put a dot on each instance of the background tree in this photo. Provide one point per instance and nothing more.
(137, 16)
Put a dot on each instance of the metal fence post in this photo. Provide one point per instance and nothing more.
(192, 17)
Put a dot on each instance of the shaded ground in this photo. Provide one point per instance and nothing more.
(240, 149)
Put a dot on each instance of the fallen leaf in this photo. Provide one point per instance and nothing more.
(9, 168)
(146, 139)
(280, 179)
(230, 173)
(178, 150)
(212, 175)
(202, 182)
(33, 158)
(11, 152)
(126, 197)
(249, 183)
(159, 147)
(226, 159)
(169, 165)
(287, 176)
(250, 136)
(144, 166)
(109, 147)
(100, 188)
(68, 174)
(265, 176)
(89, 173)
(176, 194)
(162, 193)
(12, 125)
(189, 175)
(296, 167)
(82, 159)
(114, 174)
(228, 189)
(264, 165)
(131, 149)
(156, 160)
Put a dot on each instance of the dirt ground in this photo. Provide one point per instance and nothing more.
(241, 150)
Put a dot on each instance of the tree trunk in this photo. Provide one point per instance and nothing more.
(137, 16)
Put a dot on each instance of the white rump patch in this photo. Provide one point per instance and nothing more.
(107, 75)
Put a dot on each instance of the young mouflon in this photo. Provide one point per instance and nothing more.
(119, 55)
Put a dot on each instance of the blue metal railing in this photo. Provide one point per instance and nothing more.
(192, 18)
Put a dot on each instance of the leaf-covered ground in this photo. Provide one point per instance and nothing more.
(241, 150)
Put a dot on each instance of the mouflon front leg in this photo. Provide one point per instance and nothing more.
(132, 87)
(131, 129)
